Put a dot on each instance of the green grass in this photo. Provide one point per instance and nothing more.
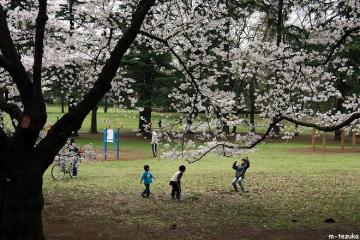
(126, 119)
(286, 190)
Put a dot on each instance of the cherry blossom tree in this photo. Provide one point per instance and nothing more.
(22, 163)
(295, 75)
(214, 50)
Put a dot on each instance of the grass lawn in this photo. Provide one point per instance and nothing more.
(128, 119)
(290, 192)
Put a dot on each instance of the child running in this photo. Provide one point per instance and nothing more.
(240, 173)
(175, 183)
(147, 178)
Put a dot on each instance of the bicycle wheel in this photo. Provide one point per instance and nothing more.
(57, 172)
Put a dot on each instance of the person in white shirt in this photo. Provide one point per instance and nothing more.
(176, 184)
(154, 143)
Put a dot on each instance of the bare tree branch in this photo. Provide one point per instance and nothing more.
(339, 43)
(343, 124)
(182, 63)
(16, 70)
(39, 45)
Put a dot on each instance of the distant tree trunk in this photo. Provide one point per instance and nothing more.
(279, 29)
(234, 130)
(106, 104)
(252, 105)
(297, 130)
(226, 128)
(341, 86)
(226, 64)
(93, 127)
(62, 104)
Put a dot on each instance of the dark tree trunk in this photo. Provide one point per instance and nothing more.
(279, 29)
(297, 130)
(21, 197)
(276, 131)
(234, 130)
(22, 163)
(93, 127)
(252, 119)
(341, 86)
(62, 104)
(144, 122)
(106, 104)
(226, 128)
(280, 22)
(252, 105)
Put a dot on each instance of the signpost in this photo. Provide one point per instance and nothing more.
(112, 136)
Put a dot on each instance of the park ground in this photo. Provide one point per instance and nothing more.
(290, 191)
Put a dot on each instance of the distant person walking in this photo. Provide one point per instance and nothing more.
(175, 183)
(154, 143)
(147, 178)
(240, 173)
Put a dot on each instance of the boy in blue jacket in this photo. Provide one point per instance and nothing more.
(240, 173)
(147, 178)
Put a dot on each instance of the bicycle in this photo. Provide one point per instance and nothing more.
(65, 164)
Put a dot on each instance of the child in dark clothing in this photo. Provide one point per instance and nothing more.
(240, 173)
(147, 178)
(75, 161)
(175, 183)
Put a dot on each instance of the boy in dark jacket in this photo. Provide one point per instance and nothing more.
(240, 173)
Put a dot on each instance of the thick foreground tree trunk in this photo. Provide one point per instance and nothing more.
(21, 199)
(21, 171)
(22, 161)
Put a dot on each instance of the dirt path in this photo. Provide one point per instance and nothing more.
(94, 229)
